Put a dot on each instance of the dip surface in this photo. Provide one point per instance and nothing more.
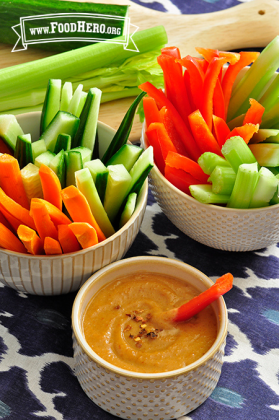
(122, 324)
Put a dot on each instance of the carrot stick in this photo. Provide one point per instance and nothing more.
(67, 239)
(85, 234)
(52, 246)
(11, 181)
(198, 303)
(32, 242)
(151, 111)
(5, 221)
(51, 186)
(8, 240)
(79, 210)
(16, 210)
(13, 221)
(56, 215)
(44, 226)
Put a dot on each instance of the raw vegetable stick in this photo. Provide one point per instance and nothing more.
(172, 131)
(209, 54)
(196, 76)
(151, 111)
(265, 189)
(222, 179)
(245, 131)
(85, 234)
(56, 215)
(32, 242)
(204, 194)
(163, 139)
(44, 226)
(208, 162)
(178, 161)
(78, 208)
(220, 130)
(13, 221)
(236, 152)
(52, 246)
(51, 186)
(4, 221)
(254, 113)
(67, 239)
(16, 209)
(10, 241)
(202, 134)
(11, 181)
(244, 186)
(200, 302)
(180, 179)
(4, 148)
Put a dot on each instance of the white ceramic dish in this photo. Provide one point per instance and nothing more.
(215, 226)
(143, 396)
(59, 274)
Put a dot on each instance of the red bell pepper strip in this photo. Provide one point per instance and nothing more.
(204, 299)
(189, 142)
(187, 83)
(151, 111)
(180, 179)
(171, 51)
(210, 80)
(163, 138)
(203, 136)
(175, 160)
(209, 54)
(254, 113)
(174, 85)
(220, 129)
(196, 78)
(246, 58)
(153, 140)
(245, 131)
(171, 130)
(219, 101)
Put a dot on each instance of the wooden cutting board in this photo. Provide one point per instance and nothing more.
(249, 25)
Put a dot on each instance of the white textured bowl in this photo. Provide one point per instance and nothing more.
(215, 226)
(59, 274)
(144, 396)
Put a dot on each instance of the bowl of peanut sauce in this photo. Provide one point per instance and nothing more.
(132, 360)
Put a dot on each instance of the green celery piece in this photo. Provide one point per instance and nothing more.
(255, 79)
(265, 189)
(274, 170)
(236, 152)
(31, 75)
(128, 209)
(86, 185)
(208, 161)
(271, 117)
(267, 154)
(66, 96)
(275, 198)
(121, 136)
(236, 122)
(244, 186)
(269, 135)
(222, 179)
(203, 193)
(32, 98)
(270, 96)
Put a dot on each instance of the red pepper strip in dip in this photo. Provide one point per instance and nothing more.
(210, 80)
(189, 142)
(203, 136)
(198, 303)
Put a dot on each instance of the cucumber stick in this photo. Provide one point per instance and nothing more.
(38, 147)
(73, 164)
(44, 158)
(75, 100)
(84, 151)
(99, 173)
(66, 96)
(10, 129)
(63, 142)
(85, 184)
(141, 169)
(63, 122)
(51, 103)
(57, 164)
(23, 150)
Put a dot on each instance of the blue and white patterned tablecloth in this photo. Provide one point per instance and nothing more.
(36, 365)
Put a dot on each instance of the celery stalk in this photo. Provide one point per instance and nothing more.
(222, 179)
(244, 186)
(265, 189)
(271, 117)
(236, 152)
(267, 154)
(35, 74)
(275, 198)
(253, 82)
(265, 134)
(271, 94)
(236, 122)
(204, 194)
(208, 161)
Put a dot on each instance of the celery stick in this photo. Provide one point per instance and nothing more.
(35, 74)
(222, 179)
(253, 82)
(236, 122)
(86, 185)
(208, 162)
(271, 117)
(275, 198)
(274, 170)
(237, 152)
(204, 194)
(244, 186)
(265, 189)
(270, 96)
(269, 135)
(267, 154)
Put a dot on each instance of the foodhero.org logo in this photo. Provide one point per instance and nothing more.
(84, 27)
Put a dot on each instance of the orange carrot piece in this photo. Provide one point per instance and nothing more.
(245, 131)
(79, 209)
(67, 239)
(16, 210)
(44, 225)
(32, 242)
(13, 221)
(56, 215)
(52, 246)
(11, 181)
(85, 234)
(254, 113)
(8, 240)
(51, 186)
(151, 111)
(4, 148)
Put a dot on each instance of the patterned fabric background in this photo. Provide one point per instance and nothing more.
(36, 365)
